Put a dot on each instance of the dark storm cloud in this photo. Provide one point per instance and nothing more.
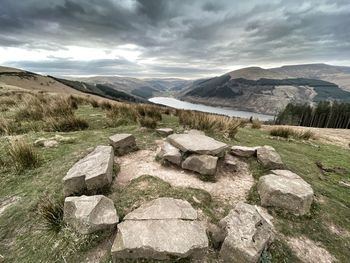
(183, 38)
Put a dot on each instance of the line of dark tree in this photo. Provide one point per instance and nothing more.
(323, 115)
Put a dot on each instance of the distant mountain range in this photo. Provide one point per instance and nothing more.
(269, 90)
(252, 89)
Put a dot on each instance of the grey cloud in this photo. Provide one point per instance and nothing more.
(190, 36)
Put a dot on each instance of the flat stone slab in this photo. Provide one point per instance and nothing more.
(248, 233)
(162, 229)
(269, 158)
(159, 239)
(164, 131)
(164, 208)
(123, 143)
(231, 162)
(170, 153)
(88, 214)
(243, 151)
(197, 143)
(286, 190)
(203, 164)
(93, 172)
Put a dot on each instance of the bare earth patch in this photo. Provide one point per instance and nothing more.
(231, 187)
(338, 230)
(308, 251)
(340, 137)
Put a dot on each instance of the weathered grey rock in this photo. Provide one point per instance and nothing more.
(93, 172)
(248, 234)
(231, 162)
(123, 143)
(159, 239)
(162, 229)
(197, 143)
(88, 214)
(48, 143)
(286, 190)
(164, 131)
(269, 158)
(203, 164)
(170, 153)
(164, 208)
(243, 151)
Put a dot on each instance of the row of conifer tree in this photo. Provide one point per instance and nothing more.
(323, 115)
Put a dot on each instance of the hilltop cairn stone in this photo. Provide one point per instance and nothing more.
(88, 214)
(164, 131)
(197, 143)
(269, 158)
(170, 153)
(202, 164)
(123, 143)
(287, 190)
(162, 229)
(243, 151)
(91, 173)
(248, 232)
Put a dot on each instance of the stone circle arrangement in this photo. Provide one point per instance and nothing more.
(168, 228)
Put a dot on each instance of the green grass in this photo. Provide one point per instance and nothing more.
(24, 239)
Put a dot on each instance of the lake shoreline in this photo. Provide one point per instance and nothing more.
(180, 104)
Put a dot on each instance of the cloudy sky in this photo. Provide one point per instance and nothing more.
(170, 38)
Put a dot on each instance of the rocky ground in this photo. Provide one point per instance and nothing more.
(320, 234)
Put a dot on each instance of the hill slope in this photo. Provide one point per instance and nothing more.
(269, 90)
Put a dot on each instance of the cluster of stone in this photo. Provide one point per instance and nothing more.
(193, 151)
(281, 188)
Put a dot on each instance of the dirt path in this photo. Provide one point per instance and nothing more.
(340, 137)
(230, 187)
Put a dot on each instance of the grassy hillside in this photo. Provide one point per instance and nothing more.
(24, 237)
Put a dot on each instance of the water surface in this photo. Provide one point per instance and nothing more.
(179, 104)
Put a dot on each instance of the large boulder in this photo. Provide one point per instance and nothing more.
(170, 153)
(269, 158)
(203, 164)
(162, 229)
(248, 233)
(243, 151)
(88, 214)
(164, 131)
(286, 190)
(123, 143)
(92, 173)
(197, 143)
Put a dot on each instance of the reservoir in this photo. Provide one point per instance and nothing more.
(179, 104)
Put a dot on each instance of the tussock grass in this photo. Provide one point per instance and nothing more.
(147, 122)
(94, 103)
(51, 212)
(66, 123)
(30, 108)
(256, 124)
(289, 132)
(22, 155)
(209, 122)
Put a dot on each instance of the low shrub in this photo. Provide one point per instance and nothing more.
(23, 155)
(51, 212)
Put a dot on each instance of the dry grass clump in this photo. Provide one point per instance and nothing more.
(8, 126)
(105, 105)
(30, 108)
(256, 124)
(51, 211)
(122, 111)
(23, 155)
(150, 111)
(289, 132)
(94, 103)
(147, 122)
(65, 124)
(6, 103)
(209, 122)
